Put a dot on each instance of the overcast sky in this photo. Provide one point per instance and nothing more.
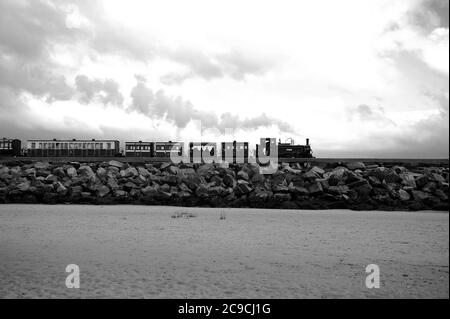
(359, 78)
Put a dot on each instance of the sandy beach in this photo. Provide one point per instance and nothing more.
(142, 252)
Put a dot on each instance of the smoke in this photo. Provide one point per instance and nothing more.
(181, 112)
(107, 91)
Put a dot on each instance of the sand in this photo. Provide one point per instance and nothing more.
(141, 252)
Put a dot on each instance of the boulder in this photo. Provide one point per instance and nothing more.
(129, 172)
(315, 188)
(229, 180)
(420, 196)
(421, 181)
(282, 197)
(102, 190)
(85, 170)
(116, 164)
(143, 171)
(242, 189)
(61, 189)
(403, 195)
(338, 190)
(242, 175)
(23, 187)
(206, 170)
(355, 165)
(41, 165)
(71, 171)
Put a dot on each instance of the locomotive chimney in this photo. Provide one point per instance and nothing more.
(307, 141)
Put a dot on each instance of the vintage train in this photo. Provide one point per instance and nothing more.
(111, 148)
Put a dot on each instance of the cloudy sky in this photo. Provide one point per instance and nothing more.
(360, 78)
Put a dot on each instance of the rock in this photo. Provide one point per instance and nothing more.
(315, 188)
(102, 191)
(358, 183)
(51, 179)
(112, 184)
(143, 171)
(101, 172)
(420, 196)
(300, 191)
(408, 179)
(206, 170)
(250, 169)
(421, 181)
(442, 195)
(116, 164)
(257, 179)
(355, 165)
(129, 172)
(242, 175)
(85, 170)
(59, 171)
(429, 187)
(229, 181)
(129, 185)
(319, 171)
(281, 197)
(71, 171)
(30, 172)
(61, 189)
(374, 181)
(120, 193)
(336, 176)
(193, 181)
(280, 188)
(242, 189)
(41, 165)
(438, 178)
(23, 187)
(172, 180)
(338, 190)
(165, 165)
(4, 170)
(392, 177)
(403, 195)
(262, 195)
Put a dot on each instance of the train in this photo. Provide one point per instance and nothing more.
(147, 149)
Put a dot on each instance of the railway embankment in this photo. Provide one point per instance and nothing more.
(333, 185)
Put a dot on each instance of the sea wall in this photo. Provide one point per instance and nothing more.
(353, 185)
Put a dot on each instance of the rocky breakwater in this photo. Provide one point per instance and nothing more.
(339, 185)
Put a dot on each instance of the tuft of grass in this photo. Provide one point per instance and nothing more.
(223, 215)
(183, 214)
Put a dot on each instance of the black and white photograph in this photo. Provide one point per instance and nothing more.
(233, 151)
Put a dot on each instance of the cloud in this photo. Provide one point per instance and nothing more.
(366, 113)
(26, 64)
(234, 64)
(107, 91)
(430, 14)
(180, 112)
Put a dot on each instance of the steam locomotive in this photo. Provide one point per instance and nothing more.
(111, 148)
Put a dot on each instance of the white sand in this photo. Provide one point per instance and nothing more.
(139, 251)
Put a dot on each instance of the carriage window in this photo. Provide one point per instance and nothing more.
(108, 146)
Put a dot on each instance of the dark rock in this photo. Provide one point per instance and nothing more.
(242, 189)
(421, 181)
(403, 195)
(420, 196)
(315, 188)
